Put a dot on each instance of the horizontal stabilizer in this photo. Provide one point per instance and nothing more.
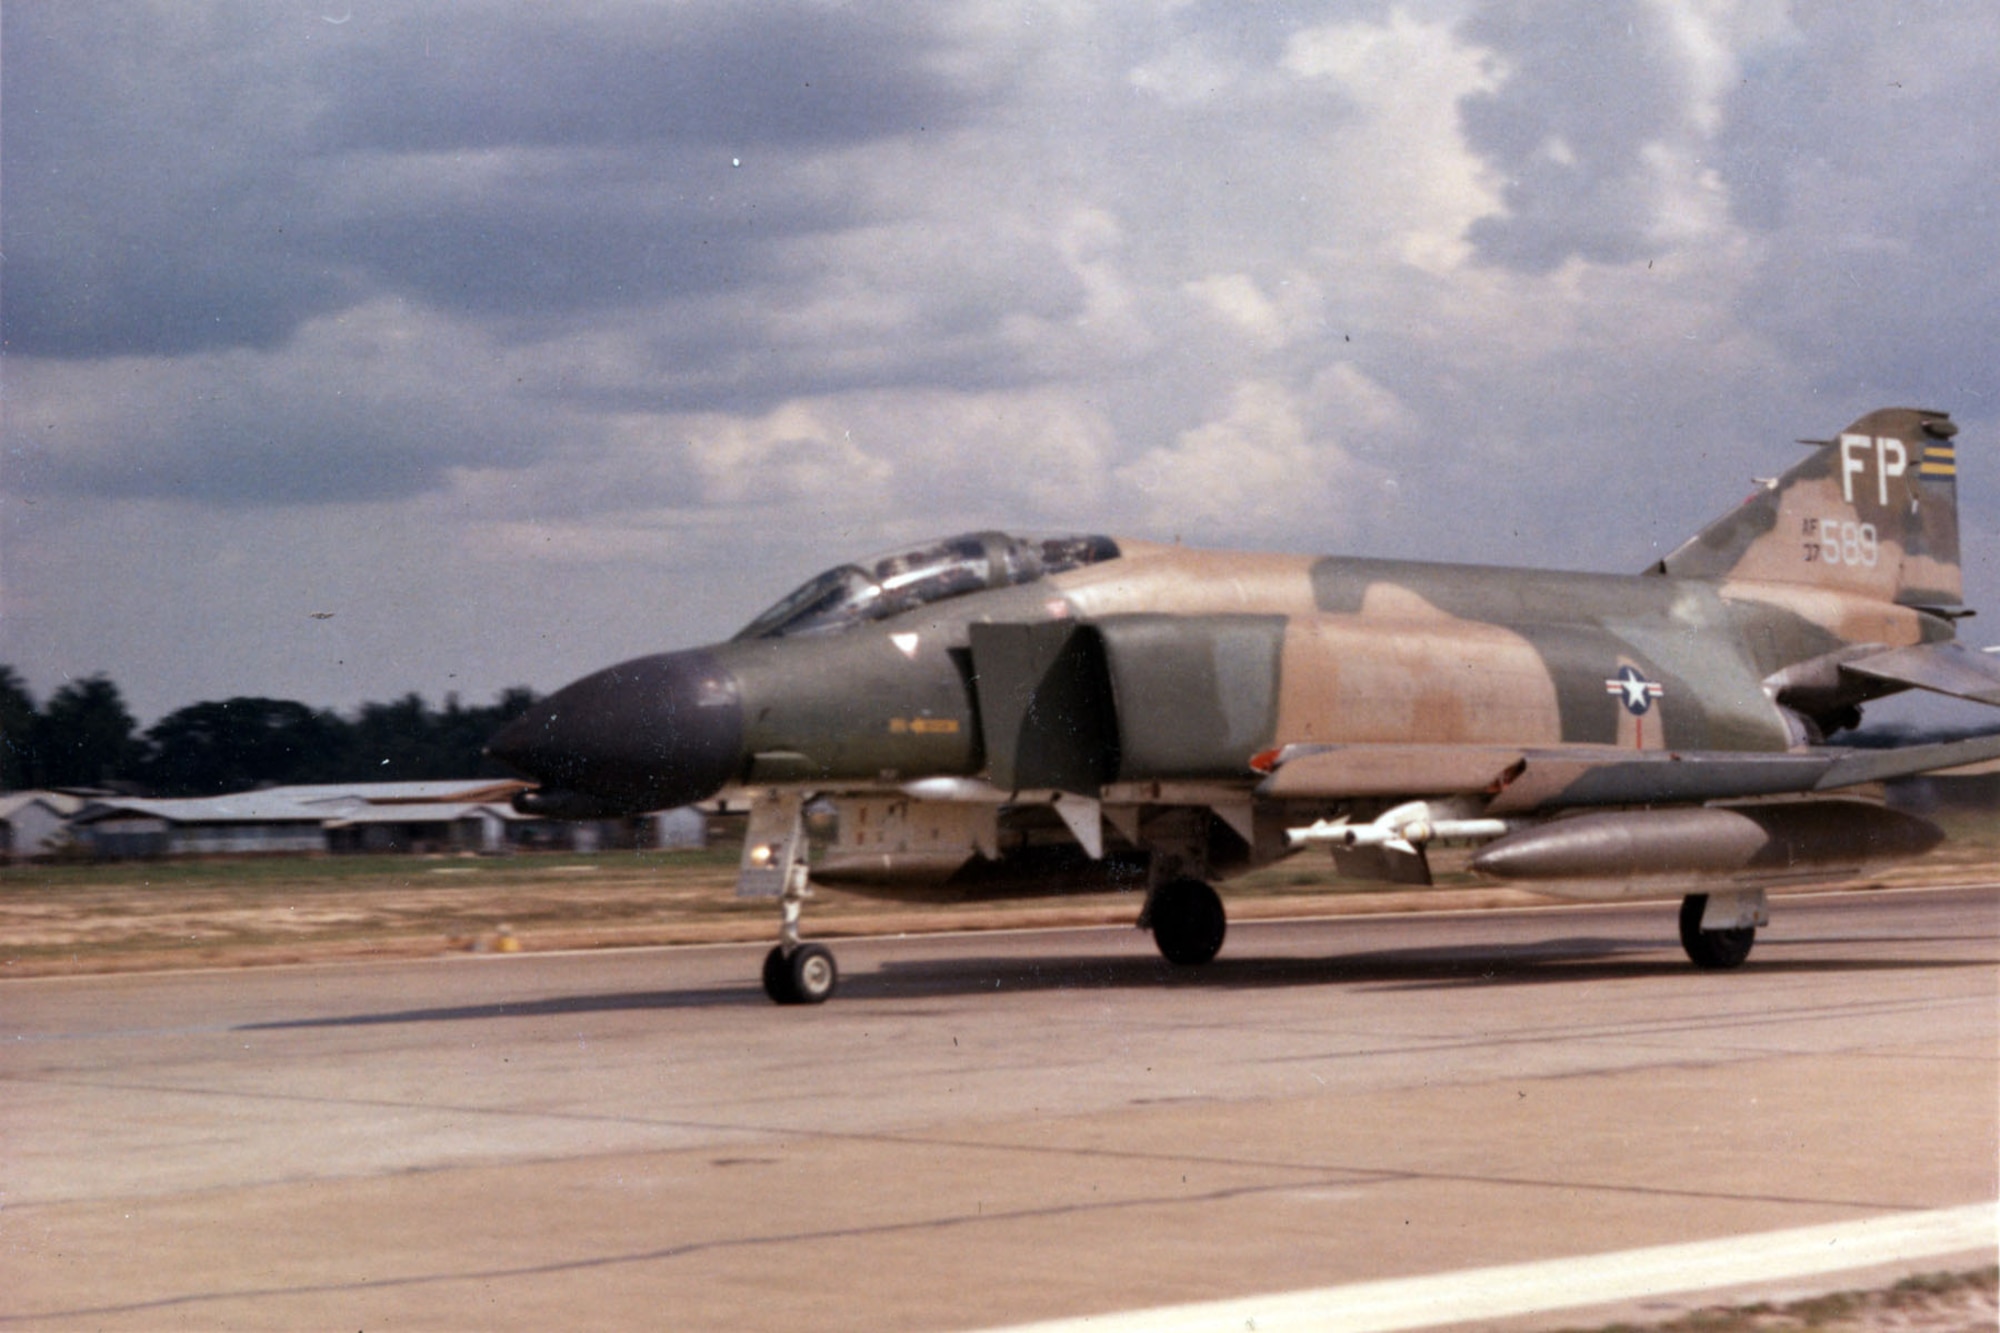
(1942, 668)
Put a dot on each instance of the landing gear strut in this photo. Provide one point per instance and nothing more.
(1187, 920)
(774, 867)
(796, 972)
(1718, 949)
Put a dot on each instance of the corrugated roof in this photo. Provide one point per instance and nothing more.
(312, 803)
(251, 807)
(380, 793)
(279, 806)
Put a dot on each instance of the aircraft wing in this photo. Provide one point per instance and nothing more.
(1524, 780)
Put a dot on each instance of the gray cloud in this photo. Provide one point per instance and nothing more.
(203, 177)
(231, 435)
(1864, 155)
(1587, 85)
(537, 249)
(150, 185)
(481, 76)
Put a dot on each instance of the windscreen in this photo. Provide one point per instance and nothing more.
(899, 581)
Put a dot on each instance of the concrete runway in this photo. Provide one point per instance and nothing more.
(979, 1129)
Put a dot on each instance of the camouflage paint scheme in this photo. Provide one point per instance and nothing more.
(1082, 710)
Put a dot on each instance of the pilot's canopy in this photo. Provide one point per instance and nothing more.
(901, 580)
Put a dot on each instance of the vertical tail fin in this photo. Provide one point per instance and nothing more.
(1874, 511)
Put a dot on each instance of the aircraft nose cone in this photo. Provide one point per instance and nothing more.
(648, 734)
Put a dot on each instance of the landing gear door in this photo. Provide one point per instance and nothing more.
(774, 844)
(1045, 711)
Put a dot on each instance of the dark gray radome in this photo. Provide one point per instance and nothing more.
(648, 734)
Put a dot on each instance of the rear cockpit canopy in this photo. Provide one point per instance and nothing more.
(902, 580)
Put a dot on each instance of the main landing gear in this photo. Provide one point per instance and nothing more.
(1732, 928)
(796, 972)
(1187, 920)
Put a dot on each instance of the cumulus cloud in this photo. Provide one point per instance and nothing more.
(1255, 468)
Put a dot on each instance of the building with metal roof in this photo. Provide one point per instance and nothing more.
(426, 817)
(35, 823)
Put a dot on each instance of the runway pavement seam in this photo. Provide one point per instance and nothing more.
(668, 1254)
(1627, 1032)
(1349, 1173)
(671, 1253)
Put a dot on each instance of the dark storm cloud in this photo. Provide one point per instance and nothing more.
(457, 76)
(148, 192)
(541, 246)
(1588, 85)
(185, 178)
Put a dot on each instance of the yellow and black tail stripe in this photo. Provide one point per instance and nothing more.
(1940, 460)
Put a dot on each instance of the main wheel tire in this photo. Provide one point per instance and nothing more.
(778, 977)
(813, 973)
(1713, 949)
(1188, 922)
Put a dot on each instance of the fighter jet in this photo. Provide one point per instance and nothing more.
(1013, 715)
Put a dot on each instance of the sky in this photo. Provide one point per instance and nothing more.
(352, 348)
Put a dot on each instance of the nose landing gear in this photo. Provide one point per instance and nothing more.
(796, 972)
(774, 866)
(807, 976)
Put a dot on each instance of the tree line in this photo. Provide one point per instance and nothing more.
(84, 736)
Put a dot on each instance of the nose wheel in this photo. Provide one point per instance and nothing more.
(807, 975)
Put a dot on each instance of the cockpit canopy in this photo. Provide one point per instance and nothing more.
(888, 585)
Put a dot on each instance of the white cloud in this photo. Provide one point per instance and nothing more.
(1414, 181)
(1254, 471)
(1272, 323)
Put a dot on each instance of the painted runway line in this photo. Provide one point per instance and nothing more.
(1561, 1284)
